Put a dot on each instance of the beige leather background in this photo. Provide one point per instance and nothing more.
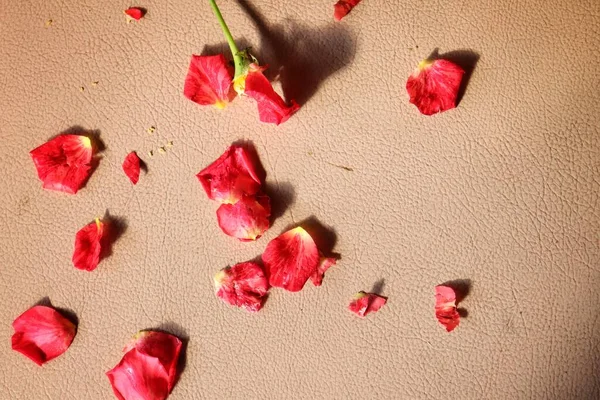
(502, 191)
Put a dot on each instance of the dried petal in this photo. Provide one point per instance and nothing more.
(445, 307)
(131, 167)
(434, 86)
(247, 219)
(230, 177)
(88, 246)
(139, 376)
(343, 7)
(324, 264)
(42, 333)
(290, 259)
(209, 81)
(271, 107)
(243, 285)
(64, 163)
(365, 303)
(135, 12)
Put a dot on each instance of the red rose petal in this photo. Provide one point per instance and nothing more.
(445, 307)
(131, 167)
(366, 303)
(135, 12)
(271, 107)
(247, 219)
(42, 333)
(209, 81)
(434, 86)
(64, 163)
(290, 259)
(230, 177)
(88, 246)
(243, 285)
(324, 264)
(139, 376)
(343, 7)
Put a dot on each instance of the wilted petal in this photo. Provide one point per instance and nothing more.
(445, 307)
(243, 285)
(324, 264)
(366, 303)
(271, 107)
(434, 86)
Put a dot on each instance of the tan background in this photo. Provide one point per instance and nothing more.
(502, 191)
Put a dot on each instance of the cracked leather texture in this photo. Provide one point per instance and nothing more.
(502, 190)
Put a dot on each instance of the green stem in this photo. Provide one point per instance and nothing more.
(237, 59)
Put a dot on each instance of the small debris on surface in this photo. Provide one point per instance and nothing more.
(48, 23)
(81, 89)
(162, 150)
(95, 83)
(151, 129)
(151, 153)
(170, 143)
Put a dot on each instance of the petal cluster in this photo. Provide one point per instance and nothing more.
(209, 81)
(434, 86)
(343, 7)
(243, 285)
(366, 303)
(445, 307)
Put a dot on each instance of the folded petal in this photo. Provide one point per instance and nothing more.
(343, 7)
(445, 307)
(271, 107)
(324, 264)
(64, 163)
(42, 333)
(366, 303)
(434, 86)
(135, 12)
(131, 167)
(139, 376)
(230, 177)
(290, 259)
(247, 219)
(88, 246)
(209, 81)
(243, 285)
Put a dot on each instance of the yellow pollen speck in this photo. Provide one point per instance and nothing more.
(151, 129)
(48, 23)
(151, 153)
(162, 150)
(170, 143)
(95, 83)
(81, 89)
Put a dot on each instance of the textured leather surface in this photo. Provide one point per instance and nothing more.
(502, 190)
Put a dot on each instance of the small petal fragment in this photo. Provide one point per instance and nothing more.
(365, 303)
(42, 333)
(88, 246)
(209, 81)
(230, 177)
(243, 285)
(324, 264)
(290, 259)
(434, 86)
(64, 163)
(136, 13)
(343, 7)
(131, 167)
(247, 219)
(445, 307)
(271, 107)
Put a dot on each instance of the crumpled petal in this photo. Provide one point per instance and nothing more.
(271, 107)
(42, 333)
(131, 167)
(343, 7)
(366, 303)
(243, 285)
(88, 246)
(230, 177)
(434, 86)
(209, 81)
(247, 219)
(136, 13)
(64, 162)
(148, 369)
(290, 259)
(324, 264)
(445, 307)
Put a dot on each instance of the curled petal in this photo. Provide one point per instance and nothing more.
(131, 167)
(271, 107)
(365, 303)
(343, 7)
(243, 285)
(290, 259)
(42, 333)
(136, 13)
(139, 376)
(247, 219)
(434, 86)
(230, 177)
(64, 163)
(88, 246)
(445, 307)
(209, 81)
(324, 264)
